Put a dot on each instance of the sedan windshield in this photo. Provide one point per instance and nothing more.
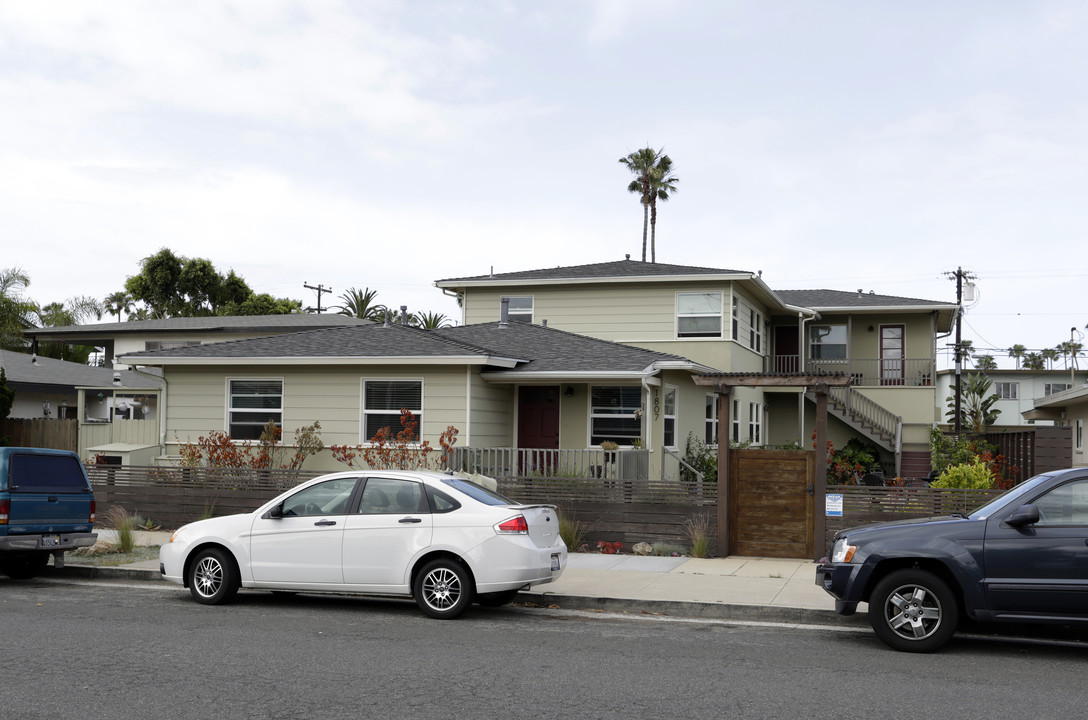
(477, 492)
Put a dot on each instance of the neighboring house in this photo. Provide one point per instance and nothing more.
(120, 338)
(733, 321)
(112, 406)
(1068, 408)
(502, 385)
(1017, 391)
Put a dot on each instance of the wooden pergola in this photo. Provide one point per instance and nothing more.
(723, 384)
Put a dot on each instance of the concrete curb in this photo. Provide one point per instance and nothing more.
(96, 572)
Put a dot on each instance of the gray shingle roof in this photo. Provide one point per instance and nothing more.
(536, 348)
(21, 369)
(820, 299)
(609, 270)
(551, 350)
(215, 323)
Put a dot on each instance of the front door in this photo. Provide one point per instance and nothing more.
(538, 417)
(892, 344)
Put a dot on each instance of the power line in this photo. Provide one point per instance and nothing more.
(321, 290)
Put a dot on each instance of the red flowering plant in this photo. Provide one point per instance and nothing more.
(609, 548)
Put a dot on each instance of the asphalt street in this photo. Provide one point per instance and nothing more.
(104, 649)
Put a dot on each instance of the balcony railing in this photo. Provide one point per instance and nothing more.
(904, 372)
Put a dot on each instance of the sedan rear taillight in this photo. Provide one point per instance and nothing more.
(513, 526)
(5, 508)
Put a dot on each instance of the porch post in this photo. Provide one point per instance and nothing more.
(820, 481)
(724, 424)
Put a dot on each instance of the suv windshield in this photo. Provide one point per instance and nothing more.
(477, 492)
(1022, 489)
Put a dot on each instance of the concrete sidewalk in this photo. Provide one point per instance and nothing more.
(741, 588)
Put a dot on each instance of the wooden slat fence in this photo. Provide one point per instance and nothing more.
(55, 433)
(863, 505)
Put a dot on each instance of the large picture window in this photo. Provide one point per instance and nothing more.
(384, 399)
(520, 309)
(699, 314)
(615, 414)
(253, 404)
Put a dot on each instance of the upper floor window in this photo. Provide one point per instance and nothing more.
(520, 309)
(1007, 390)
(699, 314)
(383, 401)
(254, 404)
(827, 342)
(1051, 388)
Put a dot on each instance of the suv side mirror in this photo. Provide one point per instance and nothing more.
(1023, 515)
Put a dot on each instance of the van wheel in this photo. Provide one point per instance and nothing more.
(913, 611)
(24, 567)
(213, 577)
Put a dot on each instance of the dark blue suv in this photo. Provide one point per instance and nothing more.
(46, 508)
(1022, 557)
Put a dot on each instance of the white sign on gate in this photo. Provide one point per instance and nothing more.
(834, 505)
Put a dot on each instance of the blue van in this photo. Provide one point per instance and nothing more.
(46, 508)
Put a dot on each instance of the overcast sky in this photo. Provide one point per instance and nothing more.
(841, 145)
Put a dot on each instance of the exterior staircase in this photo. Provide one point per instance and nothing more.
(868, 418)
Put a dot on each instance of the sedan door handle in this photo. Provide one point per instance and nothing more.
(325, 522)
(410, 520)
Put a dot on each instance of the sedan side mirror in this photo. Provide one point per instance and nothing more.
(1023, 515)
(276, 511)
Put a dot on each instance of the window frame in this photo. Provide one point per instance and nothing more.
(755, 423)
(519, 314)
(668, 418)
(231, 410)
(1007, 390)
(736, 421)
(395, 428)
(1048, 388)
(845, 344)
(700, 335)
(711, 421)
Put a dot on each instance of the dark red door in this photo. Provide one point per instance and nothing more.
(538, 417)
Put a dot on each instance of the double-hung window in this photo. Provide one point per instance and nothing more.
(383, 401)
(699, 314)
(615, 414)
(669, 432)
(253, 404)
(755, 423)
(747, 324)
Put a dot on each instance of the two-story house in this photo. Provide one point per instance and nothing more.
(733, 321)
(1017, 391)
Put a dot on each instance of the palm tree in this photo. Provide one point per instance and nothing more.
(1016, 352)
(642, 163)
(15, 310)
(432, 321)
(117, 303)
(1034, 361)
(662, 182)
(1070, 350)
(986, 362)
(360, 304)
(1050, 355)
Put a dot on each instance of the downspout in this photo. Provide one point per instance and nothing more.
(460, 301)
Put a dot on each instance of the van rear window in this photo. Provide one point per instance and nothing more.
(46, 473)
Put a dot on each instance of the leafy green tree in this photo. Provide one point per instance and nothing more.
(977, 411)
(15, 309)
(662, 183)
(361, 304)
(264, 304)
(75, 311)
(157, 284)
(7, 395)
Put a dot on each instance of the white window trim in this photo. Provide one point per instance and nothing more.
(510, 312)
(675, 417)
(417, 413)
(227, 407)
(735, 421)
(590, 415)
(712, 421)
(720, 315)
(755, 423)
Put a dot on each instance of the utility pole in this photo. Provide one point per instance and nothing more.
(321, 289)
(960, 276)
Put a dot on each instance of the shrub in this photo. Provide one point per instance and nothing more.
(974, 475)
(124, 524)
(571, 530)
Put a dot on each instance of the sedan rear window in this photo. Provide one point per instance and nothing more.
(477, 492)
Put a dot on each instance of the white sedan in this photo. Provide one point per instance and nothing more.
(437, 538)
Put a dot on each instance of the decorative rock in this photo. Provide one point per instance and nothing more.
(642, 548)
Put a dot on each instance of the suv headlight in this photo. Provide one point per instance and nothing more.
(842, 551)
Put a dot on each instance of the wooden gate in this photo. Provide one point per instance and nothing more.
(770, 503)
